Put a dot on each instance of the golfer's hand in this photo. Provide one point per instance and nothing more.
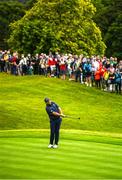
(62, 115)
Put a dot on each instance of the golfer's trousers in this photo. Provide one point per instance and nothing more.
(54, 130)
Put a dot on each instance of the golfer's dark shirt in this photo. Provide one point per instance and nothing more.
(52, 108)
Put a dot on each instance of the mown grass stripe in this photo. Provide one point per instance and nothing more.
(43, 156)
(56, 162)
(82, 169)
(38, 148)
(80, 149)
(79, 159)
(69, 142)
(78, 170)
(41, 161)
(66, 152)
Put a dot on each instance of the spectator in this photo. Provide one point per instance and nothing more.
(23, 65)
(78, 71)
(105, 79)
(117, 81)
(102, 71)
(14, 64)
(62, 65)
(111, 80)
(97, 78)
(88, 72)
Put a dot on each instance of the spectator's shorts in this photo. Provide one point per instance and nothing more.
(63, 72)
(88, 74)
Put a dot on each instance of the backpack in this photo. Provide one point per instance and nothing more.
(87, 68)
(117, 78)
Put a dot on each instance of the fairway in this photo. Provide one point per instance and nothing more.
(26, 156)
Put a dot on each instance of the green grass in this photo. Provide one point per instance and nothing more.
(90, 148)
(24, 155)
(22, 105)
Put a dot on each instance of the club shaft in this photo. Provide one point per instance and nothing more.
(72, 117)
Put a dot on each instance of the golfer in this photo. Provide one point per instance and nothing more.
(55, 113)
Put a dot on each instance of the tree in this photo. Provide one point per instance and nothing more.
(10, 11)
(62, 25)
(108, 18)
(30, 3)
(113, 38)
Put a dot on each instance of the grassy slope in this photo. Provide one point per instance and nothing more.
(22, 106)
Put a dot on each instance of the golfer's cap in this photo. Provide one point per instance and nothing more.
(46, 100)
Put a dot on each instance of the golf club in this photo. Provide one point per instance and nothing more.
(67, 116)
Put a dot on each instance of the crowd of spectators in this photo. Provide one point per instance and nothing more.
(94, 71)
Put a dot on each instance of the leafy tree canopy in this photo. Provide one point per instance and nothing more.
(109, 19)
(9, 11)
(51, 25)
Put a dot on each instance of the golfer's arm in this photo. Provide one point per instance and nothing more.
(58, 114)
(60, 111)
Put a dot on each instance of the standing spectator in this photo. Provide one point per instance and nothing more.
(63, 67)
(111, 81)
(14, 64)
(52, 66)
(95, 63)
(117, 81)
(35, 63)
(102, 71)
(6, 59)
(73, 68)
(23, 65)
(106, 78)
(120, 69)
(84, 60)
(115, 62)
(57, 60)
(107, 64)
(111, 69)
(97, 78)
(42, 66)
(88, 72)
(2, 62)
(78, 71)
(29, 65)
(92, 75)
(70, 62)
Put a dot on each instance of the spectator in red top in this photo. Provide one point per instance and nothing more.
(102, 71)
(52, 66)
(14, 65)
(97, 78)
(62, 65)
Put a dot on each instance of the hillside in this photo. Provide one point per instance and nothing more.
(22, 105)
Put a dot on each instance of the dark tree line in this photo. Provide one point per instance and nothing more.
(109, 19)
